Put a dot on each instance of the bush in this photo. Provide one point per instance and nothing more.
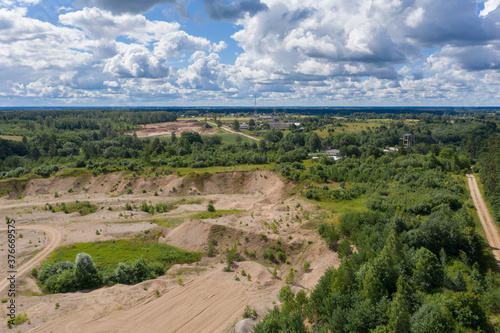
(210, 208)
(290, 278)
(247, 313)
(211, 245)
(432, 318)
(307, 265)
(329, 234)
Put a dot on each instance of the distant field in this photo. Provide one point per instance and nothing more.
(11, 137)
(230, 138)
(360, 126)
(223, 119)
(349, 128)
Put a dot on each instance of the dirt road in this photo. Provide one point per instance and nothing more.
(484, 215)
(54, 239)
(225, 128)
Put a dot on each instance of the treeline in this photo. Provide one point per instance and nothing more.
(415, 268)
(490, 173)
(71, 138)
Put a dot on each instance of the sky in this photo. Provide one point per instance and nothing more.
(123, 53)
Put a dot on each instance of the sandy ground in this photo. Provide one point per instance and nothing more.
(166, 129)
(486, 221)
(209, 300)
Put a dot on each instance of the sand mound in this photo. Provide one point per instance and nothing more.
(245, 326)
(192, 236)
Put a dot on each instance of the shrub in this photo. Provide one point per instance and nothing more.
(329, 234)
(211, 245)
(290, 278)
(70, 190)
(432, 318)
(247, 313)
(210, 208)
(307, 265)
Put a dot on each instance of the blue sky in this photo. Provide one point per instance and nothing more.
(222, 52)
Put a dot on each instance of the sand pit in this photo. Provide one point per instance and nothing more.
(209, 299)
(166, 129)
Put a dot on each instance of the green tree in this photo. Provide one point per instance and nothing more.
(400, 310)
(432, 318)
(236, 125)
(313, 141)
(428, 273)
(85, 271)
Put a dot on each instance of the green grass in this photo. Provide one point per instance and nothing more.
(330, 211)
(212, 215)
(84, 208)
(232, 138)
(171, 222)
(215, 169)
(108, 254)
(72, 172)
(11, 137)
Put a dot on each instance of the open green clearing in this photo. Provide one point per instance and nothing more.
(231, 138)
(108, 254)
(11, 137)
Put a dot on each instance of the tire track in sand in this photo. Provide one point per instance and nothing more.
(487, 222)
(54, 239)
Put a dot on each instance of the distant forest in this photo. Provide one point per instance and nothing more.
(413, 259)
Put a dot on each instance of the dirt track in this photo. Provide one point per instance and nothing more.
(209, 300)
(234, 132)
(484, 215)
(55, 238)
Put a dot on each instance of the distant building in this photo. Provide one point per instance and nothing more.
(391, 149)
(408, 140)
(266, 117)
(244, 126)
(333, 152)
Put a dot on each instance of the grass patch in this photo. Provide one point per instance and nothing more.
(216, 169)
(170, 222)
(108, 254)
(331, 211)
(8, 186)
(217, 213)
(84, 208)
(72, 172)
(11, 137)
(233, 138)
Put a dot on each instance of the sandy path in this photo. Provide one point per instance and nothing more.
(54, 239)
(211, 303)
(484, 215)
(225, 128)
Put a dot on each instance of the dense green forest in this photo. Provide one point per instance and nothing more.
(412, 258)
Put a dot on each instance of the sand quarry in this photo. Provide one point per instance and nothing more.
(166, 129)
(209, 299)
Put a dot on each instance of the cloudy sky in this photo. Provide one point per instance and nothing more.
(222, 52)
